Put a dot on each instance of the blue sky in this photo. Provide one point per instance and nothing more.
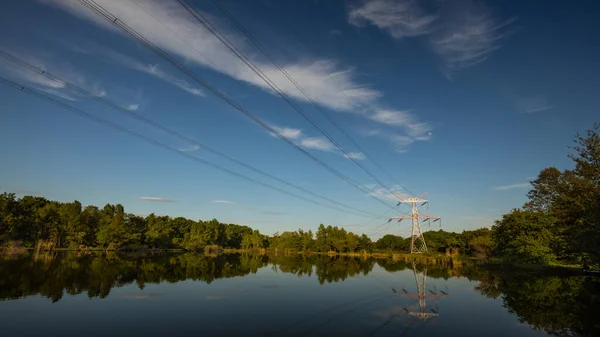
(464, 99)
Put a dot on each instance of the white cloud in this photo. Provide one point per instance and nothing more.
(290, 133)
(133, 107)
(384, 194)
(513, 186)
(317, 143)
(403, 119)
(155, 199)
(414, 130)
(342, 94)
(400, 18)
(223, 202)
(392, 117)
(190, 148)
(355, 155)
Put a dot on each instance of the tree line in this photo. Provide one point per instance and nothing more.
(35, 222)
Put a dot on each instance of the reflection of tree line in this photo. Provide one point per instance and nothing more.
(52, 274)
(554, 303)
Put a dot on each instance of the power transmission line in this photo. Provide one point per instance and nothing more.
(315, 104)
(40, 95)
(158, 126)
(174, 62)
(212, 29)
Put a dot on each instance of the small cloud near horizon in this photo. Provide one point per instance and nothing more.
(223, 202)
(155, 199)
(511, 187)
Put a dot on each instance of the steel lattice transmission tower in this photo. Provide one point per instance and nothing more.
(417, 241)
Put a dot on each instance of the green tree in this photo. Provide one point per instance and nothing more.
(525, 236)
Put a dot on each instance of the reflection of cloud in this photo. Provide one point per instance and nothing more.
(141, 296)
(155, 199)
(511, 187)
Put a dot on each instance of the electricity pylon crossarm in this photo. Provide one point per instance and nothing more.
(417, 241)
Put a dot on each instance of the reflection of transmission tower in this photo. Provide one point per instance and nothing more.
(417, 241)
(421, 295)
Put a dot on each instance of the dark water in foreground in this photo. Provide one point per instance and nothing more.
(244, 295)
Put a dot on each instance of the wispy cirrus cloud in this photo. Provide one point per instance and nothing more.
(156, 199)
(313, 143)
(398, 18)
(413, 130)
(533, 104)
(461, 33)
(46, 61)
(469, 35)
(384, 194)
(324, 80)
(224, 202)
(315, 75)
(403, 119)
(95, 49)
(512, 187)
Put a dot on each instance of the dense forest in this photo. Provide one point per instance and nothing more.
(559, 224)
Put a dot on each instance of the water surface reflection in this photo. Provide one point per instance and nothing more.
(285, 295)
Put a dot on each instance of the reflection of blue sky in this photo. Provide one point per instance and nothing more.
(266, 302)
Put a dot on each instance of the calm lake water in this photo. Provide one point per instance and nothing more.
(252, 295)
